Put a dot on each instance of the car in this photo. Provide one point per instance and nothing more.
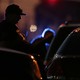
(65, 64)
(61, 34)
(64, 68)
(17, 65)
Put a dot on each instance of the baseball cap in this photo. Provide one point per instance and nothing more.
(14, 9)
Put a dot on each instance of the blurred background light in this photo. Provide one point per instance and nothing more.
(43, 14)
(48, 29)
(33, 28)
(52, 2)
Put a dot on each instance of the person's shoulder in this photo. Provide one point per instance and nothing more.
(38, 40)
(3, 22)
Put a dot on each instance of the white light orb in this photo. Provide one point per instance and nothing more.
(33, 28)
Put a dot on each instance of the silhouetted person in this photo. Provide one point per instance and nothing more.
(40, 50)
(39, 44)
(10, 35)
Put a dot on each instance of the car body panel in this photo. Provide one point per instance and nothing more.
(65, 64)
(18, 65)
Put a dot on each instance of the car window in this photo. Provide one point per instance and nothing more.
(71, 45)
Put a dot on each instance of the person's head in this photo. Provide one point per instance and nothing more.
(13, 13)
(48, 34)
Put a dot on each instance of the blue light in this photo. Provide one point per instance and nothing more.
(39, 36)
(48, 29)
(42, 35)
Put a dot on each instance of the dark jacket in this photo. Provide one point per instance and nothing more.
(11, 39)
